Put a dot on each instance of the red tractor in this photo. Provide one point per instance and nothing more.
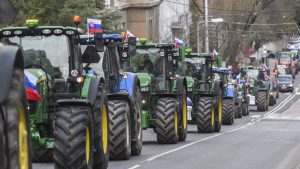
(288, 59)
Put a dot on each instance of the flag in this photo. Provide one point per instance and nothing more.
(214, 54)
(94, 25)
(178, 43)
(128, 35)
(30, 84)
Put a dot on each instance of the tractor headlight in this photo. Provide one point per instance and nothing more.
(291, 85)
(143, 101)
(6, 33)
(144, 89)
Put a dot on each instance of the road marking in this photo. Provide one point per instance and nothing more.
(252, 120)
(256, 116)
(135, 166)
(283, 103)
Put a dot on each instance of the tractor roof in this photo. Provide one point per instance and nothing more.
(155, 45)
(39, 30)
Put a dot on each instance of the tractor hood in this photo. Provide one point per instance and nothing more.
(145, 79)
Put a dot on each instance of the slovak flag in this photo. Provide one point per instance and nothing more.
(94, 25)
(30, 84)
(178, 43)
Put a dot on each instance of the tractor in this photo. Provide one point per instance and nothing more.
(259, 88)
(123, 93)
(288, 59)
(15, 148)
(206, 91)
(163, 93)
(68, 106)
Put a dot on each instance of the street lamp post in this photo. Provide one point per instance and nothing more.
(216, 20)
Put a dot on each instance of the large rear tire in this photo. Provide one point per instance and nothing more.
(228, 114)
(219, 109)
(245, 109)
(167, 121)
(73, 138)
(137, 143)
(119, 129)
(262, 101)
(272, 100)
(16, 125)
(101, 133)
(205, 115)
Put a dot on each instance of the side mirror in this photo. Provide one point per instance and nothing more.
(99, 42)
(132, 46)
(90, 55)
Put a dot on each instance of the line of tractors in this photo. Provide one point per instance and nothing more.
(88, 98)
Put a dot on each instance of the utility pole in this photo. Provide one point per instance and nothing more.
(206, 27)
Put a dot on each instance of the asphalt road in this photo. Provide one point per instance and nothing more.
(263, 140)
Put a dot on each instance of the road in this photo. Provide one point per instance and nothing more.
(263, 140)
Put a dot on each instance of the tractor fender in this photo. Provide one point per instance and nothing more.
(73, 102)
(167, 95)
(128, 82)
(10, 57)
(217, 86)
(180, 84)
(93, 88)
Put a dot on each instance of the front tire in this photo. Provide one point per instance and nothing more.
(228, 113)
(262, 101)
(167, 121)
(205, 115)
(245, 109)
(17, 153)
(119, 129)
(73, 138)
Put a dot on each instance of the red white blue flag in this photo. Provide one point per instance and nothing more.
(178, 42)
(94, 25)
(30, 84)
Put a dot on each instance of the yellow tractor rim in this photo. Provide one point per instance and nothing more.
(184, 114)
(104, 129)
(23, 142)
(87, 145)
(212, 115)
(176, 122)
(220, 108)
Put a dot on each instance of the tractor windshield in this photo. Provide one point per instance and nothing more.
(49, 52)
(252, 73)
(147, 61)
(285, 57)
(190, 66)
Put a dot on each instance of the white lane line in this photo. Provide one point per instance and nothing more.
(283, 104)
(256, 116)
(135, 166)
(190, 144)
(252, 120)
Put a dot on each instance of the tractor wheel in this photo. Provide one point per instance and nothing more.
(3, 146)
(167, 121)
(182, 131)
(245, 109)
(272, 100)
(262, 101)
(137, 143)
(277, 93)
(101, 133)
(219, 108)
(119, 129)
(73, 138)
(205, 115)
(17, 141)
(240, 111)
(227, 112)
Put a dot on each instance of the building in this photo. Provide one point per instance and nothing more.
(157, 20)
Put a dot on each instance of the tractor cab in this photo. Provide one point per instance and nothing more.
(157, 60)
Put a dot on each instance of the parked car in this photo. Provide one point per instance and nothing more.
(286, 83)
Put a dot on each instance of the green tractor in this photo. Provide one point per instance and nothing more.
(259, 88)
(206, 91)
(68, 106)
(15, 148)
(163, 93)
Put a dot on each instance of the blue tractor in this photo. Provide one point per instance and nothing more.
(124, 99)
